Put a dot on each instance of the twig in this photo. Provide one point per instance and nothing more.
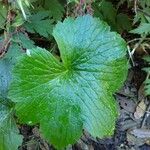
(135, 47)
(135, 6)
(147, 113)
(130, 55)
(137, 39)
(138, 44)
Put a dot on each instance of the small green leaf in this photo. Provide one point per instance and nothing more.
(18, 20)
(77, 93)
(40, 23)
(145, 3)
(123, 22)
(9, 133)
(3, 15)
(147, 81)
(106, 11)
(55, 8)
(6, 65)
(23, 41)
(144, 28)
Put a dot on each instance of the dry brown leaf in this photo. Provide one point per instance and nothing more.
(141, 133)
(140, 110)
(132, 140)
(138, 136)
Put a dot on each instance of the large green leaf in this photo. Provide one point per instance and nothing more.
(65, 97)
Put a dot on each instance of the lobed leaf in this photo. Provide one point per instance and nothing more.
(77, 93)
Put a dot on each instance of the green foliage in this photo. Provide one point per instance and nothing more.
(143, 29)
(143, 17)
(53, 7)
(68, 94)
(9, 134)
(40, 23)
(22, 41)
(3, 15)
(142, 20)
(41, 19)
(144, 3)
(147, 81)
(106, 11)
(6, 65)
(9, 137)
(123, 23)
(77, 93)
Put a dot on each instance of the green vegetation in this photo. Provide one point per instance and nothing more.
(60, 64)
